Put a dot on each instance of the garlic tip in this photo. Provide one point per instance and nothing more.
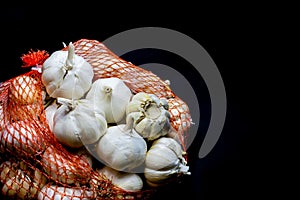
(71, 55)
(64, 44)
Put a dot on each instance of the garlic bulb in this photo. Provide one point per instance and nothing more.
(24, 89)
(20, 187)
(127, 181)
(148, 115)
(78, 122)
(164, 161)
(65, 74)
(121, 149)
(22, 137)
(50, 111)
(49, 192)
(112, 96)
(8, 170)
(60, 168)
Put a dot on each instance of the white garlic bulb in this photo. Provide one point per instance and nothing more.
(121, 149)
(131, 182)
(66, 74)
(22, 137)
(50, 111)
(24, 89)
(112, 96)
(164, 161)
(148, 115)
(78, 122)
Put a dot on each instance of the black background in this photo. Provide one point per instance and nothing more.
(238, 167)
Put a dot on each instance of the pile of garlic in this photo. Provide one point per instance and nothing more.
(126, 132)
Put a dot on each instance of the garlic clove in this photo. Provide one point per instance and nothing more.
(164, 161)
(161, 158)
(171, 144)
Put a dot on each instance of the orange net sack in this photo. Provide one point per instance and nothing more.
(60, 143)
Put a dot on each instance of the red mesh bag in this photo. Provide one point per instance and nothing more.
(34, 164)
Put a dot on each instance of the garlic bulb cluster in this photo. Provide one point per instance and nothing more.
(107, 123)
(112, 96)
(148, 115)
(77, 122)
(121, 149)
(66, 74)
(164, 160)
(131, 182)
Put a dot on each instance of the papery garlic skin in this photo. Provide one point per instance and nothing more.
(148, 115)
(164, 161)
(112, 96)
(121, 149)
(66, 74)
(131, 182)
(77, 122)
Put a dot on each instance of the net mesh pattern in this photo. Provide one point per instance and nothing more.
(35, 165)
